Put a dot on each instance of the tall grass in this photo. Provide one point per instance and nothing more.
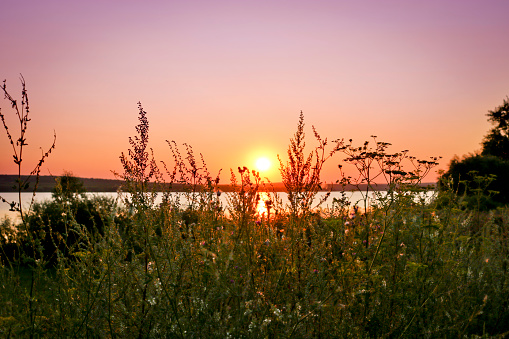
(21, 112)
(400, 266)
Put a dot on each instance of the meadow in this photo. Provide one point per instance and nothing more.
(397, 266)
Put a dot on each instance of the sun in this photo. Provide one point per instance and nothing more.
(262, 164)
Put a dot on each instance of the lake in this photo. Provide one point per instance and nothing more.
(354, 197)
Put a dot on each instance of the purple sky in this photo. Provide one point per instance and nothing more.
(230, 77)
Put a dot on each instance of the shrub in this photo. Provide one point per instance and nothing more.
(59, 228)
(466, 177)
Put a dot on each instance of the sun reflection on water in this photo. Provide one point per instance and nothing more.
(265, 204)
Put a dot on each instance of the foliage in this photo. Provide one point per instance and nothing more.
(496, 142)
(474, 172)
(60, 228)
(403, 266)
(67, 187)
(484, 172)
(397, 173)
(301, 172)
(8, 238)
(140, 167)
(197, 184)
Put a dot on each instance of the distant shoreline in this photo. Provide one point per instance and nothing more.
(47, 183)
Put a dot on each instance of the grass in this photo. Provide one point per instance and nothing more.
(399, 266)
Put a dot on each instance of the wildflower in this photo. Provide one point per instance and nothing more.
(232, 281)
(315, 271)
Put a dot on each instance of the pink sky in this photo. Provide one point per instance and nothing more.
(230, 77)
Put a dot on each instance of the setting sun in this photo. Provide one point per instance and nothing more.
(262, 164)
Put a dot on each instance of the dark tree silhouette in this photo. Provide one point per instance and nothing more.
(492, 163)
(68, 187)
(497, 141)
(464, 172)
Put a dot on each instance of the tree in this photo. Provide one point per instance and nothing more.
(465, 175)
(67, 187)
(497, 141)
(492, 164)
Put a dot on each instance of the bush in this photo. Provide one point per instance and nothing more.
(9, 244)
(60, 228)
(481, 180)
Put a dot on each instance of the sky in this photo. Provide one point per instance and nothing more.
(230, 78)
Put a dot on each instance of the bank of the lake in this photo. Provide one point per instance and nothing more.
(46, 183)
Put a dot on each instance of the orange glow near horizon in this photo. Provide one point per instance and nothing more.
(230, 78)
